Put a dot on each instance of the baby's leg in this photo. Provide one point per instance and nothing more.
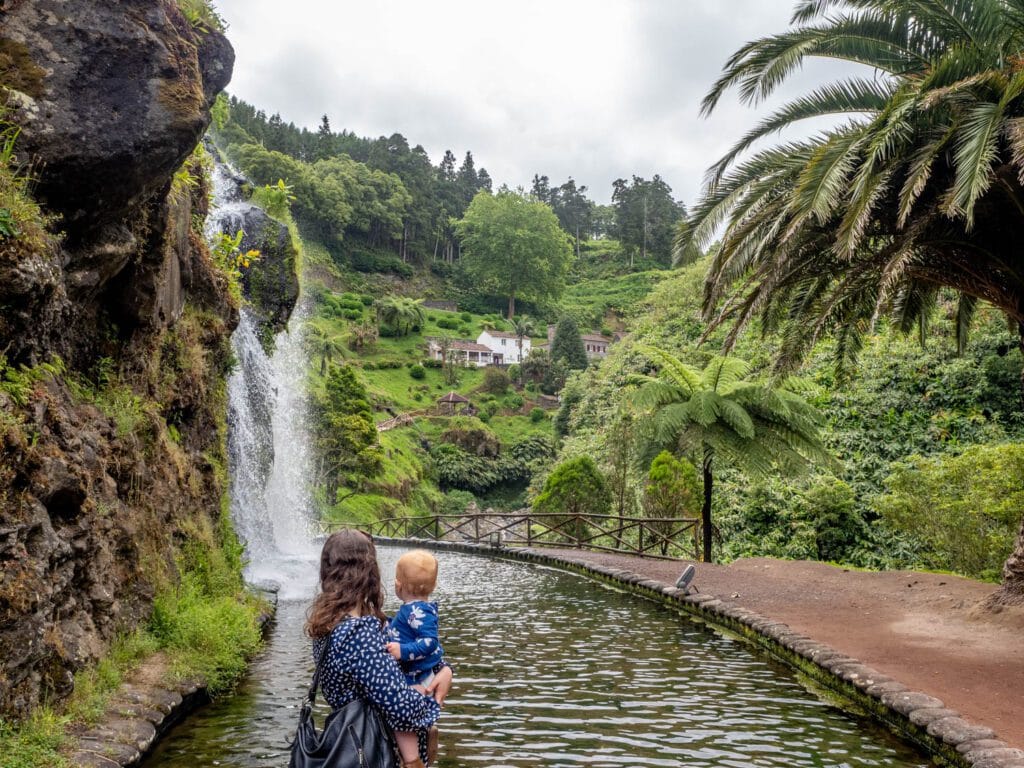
(408, 746)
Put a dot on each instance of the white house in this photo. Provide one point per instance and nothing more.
(506, 345)
(464, 352)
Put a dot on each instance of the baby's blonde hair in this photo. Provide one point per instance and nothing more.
(417, 570)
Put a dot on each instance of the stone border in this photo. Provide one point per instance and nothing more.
(922, 719)
(137, 717)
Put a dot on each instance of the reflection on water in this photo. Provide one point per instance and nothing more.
(553, 670)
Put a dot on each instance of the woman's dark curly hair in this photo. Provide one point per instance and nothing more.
(349, 580)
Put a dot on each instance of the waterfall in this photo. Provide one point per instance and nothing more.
(268, 433)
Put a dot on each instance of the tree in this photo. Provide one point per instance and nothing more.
(646, 217)
(567, 346)
(716, 415)
(323, 343)
(514, 246)
(401, 314)
(575, 490)
(522, 326)
(346, 437)
(671, 490)
(918, 190)
(324, 139)
(620, 455)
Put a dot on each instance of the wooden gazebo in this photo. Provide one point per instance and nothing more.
(452, 403)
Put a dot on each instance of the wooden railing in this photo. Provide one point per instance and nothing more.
(657, 537)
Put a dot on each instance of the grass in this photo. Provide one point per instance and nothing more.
(23, 225)
(590, 302)
(37, 741)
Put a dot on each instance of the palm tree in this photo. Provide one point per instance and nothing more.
(522, 326)
(717, 415)
(401, 313)
(921, 189)
(323, 343)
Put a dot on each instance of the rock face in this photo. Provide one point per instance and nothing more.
(121, 95)
(111, 96)
(109, 464)
(270, 284)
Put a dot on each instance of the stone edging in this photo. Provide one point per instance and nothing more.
(922, 719)
(138, 716)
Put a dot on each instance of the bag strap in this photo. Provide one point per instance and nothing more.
(311, 696)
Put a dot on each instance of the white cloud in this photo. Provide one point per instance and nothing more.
(565, 88)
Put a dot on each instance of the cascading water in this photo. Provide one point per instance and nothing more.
(268, 441)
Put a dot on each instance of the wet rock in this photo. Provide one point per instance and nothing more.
(906, 702)
(992, 754)
(956, 730)
(980, 744)
(927, 715)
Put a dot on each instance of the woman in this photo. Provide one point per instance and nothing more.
(347, 616)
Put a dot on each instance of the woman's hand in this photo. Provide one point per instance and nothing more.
(441, 685)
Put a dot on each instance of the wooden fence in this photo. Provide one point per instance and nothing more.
(657, 537)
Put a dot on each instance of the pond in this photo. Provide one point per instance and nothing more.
(555, 670)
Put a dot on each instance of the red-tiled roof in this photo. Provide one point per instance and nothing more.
(505, 335)
(595, 337)
(469, 346)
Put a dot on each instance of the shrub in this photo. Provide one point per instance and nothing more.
(496, 381)
(366, 299)
(513, 372)
(514, 401)
(537, 415)
(448, 323)
(418, 372)
(432, 363)
(484, 416)
(466, 317)
(352, 314)
(964, 509)
(455, 502)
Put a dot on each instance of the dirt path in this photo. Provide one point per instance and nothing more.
(918, 628)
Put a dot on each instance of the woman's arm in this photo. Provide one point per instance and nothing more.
(381, 681)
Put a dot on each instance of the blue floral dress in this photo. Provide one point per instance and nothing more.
(358, 664)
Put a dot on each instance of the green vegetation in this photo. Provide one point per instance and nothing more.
(23, 225)
(575, 490)
(514, 247)
(964, 509)
(671, 490)
(567, 346)
(202, 16)
(385, 251)
(718, 415)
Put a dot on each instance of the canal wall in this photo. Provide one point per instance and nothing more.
(917, 717)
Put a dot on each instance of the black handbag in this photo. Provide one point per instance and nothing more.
(354, 736)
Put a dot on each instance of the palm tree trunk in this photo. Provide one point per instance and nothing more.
(705, 512)
(1011, 592)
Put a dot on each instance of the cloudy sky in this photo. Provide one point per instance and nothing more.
(578, 88)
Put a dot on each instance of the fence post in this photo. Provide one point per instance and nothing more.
(640, 546)
(529, 532)
(476, 528)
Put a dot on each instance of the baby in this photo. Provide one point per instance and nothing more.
(413, 632)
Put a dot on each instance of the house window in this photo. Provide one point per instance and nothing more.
(503, 342)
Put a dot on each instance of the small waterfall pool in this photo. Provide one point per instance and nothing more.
(551, 669)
